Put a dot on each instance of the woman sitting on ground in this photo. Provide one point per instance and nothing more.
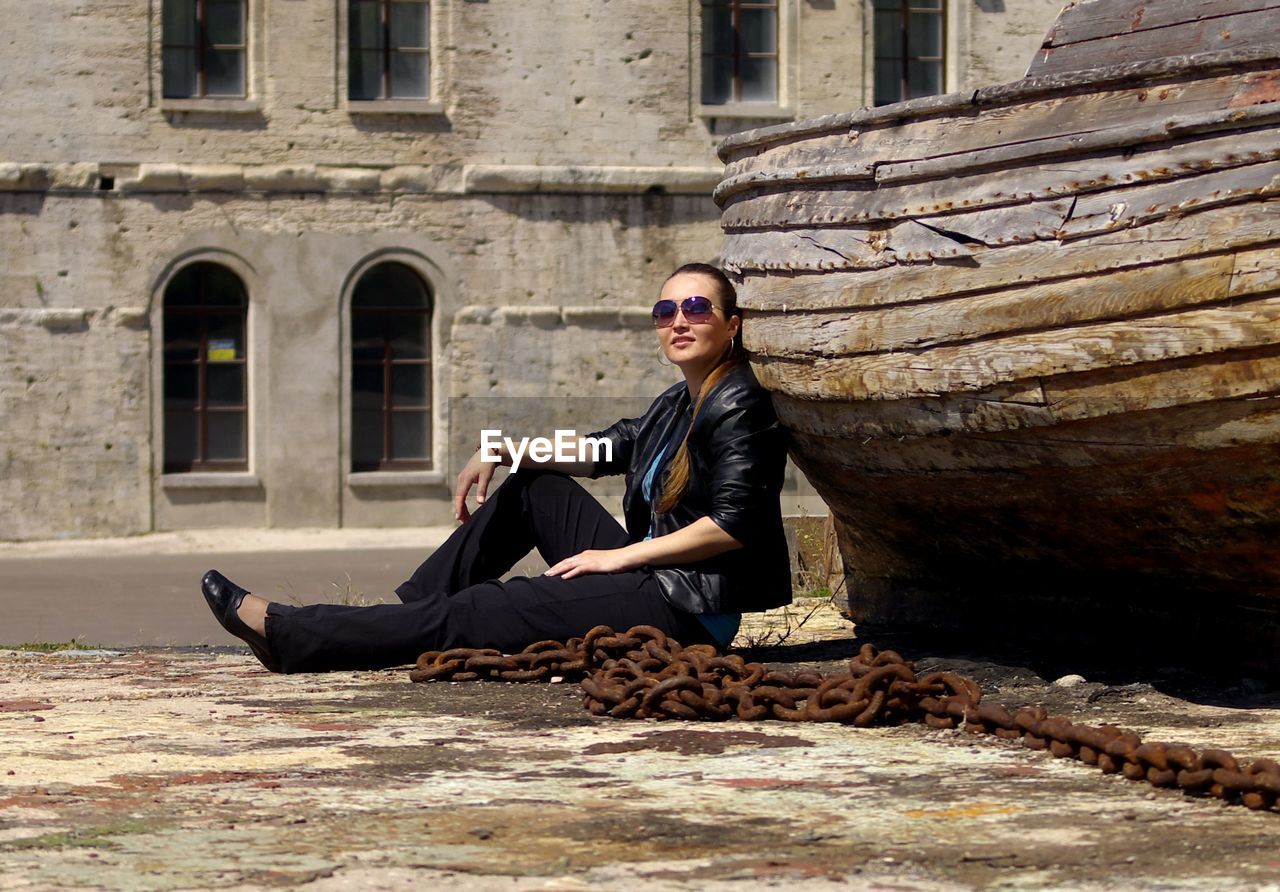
(703, 540)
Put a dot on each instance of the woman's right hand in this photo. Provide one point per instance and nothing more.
(477, 473)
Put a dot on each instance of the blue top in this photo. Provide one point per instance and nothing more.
(722, 626)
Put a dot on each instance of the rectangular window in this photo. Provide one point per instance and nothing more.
(203, 48)
(389, 49)
(909, 39)
(739, 51)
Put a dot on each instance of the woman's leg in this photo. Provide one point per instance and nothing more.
(507, 616)
(531, 509)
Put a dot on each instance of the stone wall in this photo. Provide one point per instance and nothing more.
(561, 169)
(74, 399)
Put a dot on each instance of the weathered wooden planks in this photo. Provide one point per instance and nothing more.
(1043, 402)
(1202, 231)
(1112, 440)
(866, 201)
(1153, 30)
(1094, 19)
(1039, 128)
(984, 363)
(1109, 296)
(1034, 332)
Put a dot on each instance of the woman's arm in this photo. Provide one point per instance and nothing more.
(698, 541)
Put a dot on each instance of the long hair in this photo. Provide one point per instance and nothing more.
(677, 480)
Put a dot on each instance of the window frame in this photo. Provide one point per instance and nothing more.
(203, 312)
(737, 54)
(387, 100)
(389, 407)
(202, 47)
(908, 8)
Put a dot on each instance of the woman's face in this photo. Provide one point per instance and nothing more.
(696, 346)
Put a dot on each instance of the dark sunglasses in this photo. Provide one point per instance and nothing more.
(696, 309)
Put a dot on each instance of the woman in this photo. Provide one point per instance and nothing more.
(703, 539)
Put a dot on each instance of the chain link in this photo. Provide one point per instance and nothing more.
(643, 673)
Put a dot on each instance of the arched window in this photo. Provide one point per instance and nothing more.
(390, 370)
(205, 410)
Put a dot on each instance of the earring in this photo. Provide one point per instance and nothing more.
(662, 358)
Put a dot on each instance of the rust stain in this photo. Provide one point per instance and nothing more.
(689, 743)
(770, 783)
(1017, 771)
(976, 810)
(1260, 89)
(1209, 501)
(23, 705)
(164, 781)
(331, 727)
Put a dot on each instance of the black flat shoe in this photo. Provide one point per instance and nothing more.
(224, 598)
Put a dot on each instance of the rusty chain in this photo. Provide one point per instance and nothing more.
(643, 673)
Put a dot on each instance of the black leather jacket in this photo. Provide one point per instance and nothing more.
(738, 454)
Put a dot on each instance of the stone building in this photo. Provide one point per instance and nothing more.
(275, 262)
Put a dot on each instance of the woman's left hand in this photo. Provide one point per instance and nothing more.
(610, 560)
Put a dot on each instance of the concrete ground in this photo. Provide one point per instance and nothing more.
(183, 767)
(145, 590)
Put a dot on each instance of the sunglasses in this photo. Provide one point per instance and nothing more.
(697, 309)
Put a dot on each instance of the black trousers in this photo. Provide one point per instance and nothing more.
(456, 600)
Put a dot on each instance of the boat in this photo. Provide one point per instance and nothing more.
(1026, 339)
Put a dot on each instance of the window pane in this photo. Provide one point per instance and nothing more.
(179, 80)
(759, 80)
(179, 439)
(224, 21)
(926, 4)
(366, 75)
(924, 35)
(181, 386)
(366, 387)
(409, 385)
(226, 436)
(409, 75)
(364, 28)
(368, 337)
(717, 80)
(220, 286)
(226, 338)
(224, 73)
(888, 36)
(717, 29)
(409, 435)
(366, 440)
(888, 86)
(759, 30)
(179, 22)
(390, 285)
(894, 5)
(183, 289)
(409, 25)
(923, 79)
(409, 337)
(224, 384)
(181, 336)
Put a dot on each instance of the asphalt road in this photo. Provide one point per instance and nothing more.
(115, 600)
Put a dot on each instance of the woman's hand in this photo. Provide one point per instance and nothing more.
(609, 560)
(477, 473)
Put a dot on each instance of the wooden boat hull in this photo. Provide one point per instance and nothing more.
(1028, 340)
